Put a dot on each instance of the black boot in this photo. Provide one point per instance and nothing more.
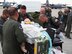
(68, 37)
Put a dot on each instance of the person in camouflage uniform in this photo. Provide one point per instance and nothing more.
(13, 36)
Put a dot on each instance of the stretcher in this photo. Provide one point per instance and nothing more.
(39, 37)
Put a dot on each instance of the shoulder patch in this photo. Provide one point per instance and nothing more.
(20, 27)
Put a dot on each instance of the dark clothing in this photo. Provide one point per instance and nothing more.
(13, 36)
(65, 17)
(23, 17)
(1, 25)
(69, 22)
(60, 17)
(49, 30)
(51, 33)
(58, 44)
(48, 12)
(30, 48)
(51, 23)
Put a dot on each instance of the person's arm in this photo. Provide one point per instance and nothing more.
(21, 37)
(1, 28)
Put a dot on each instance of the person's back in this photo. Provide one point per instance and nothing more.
(9, 41)
(13, 35)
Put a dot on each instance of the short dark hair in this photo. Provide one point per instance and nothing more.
(5, 11)
(12, 11)
(23, 7)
